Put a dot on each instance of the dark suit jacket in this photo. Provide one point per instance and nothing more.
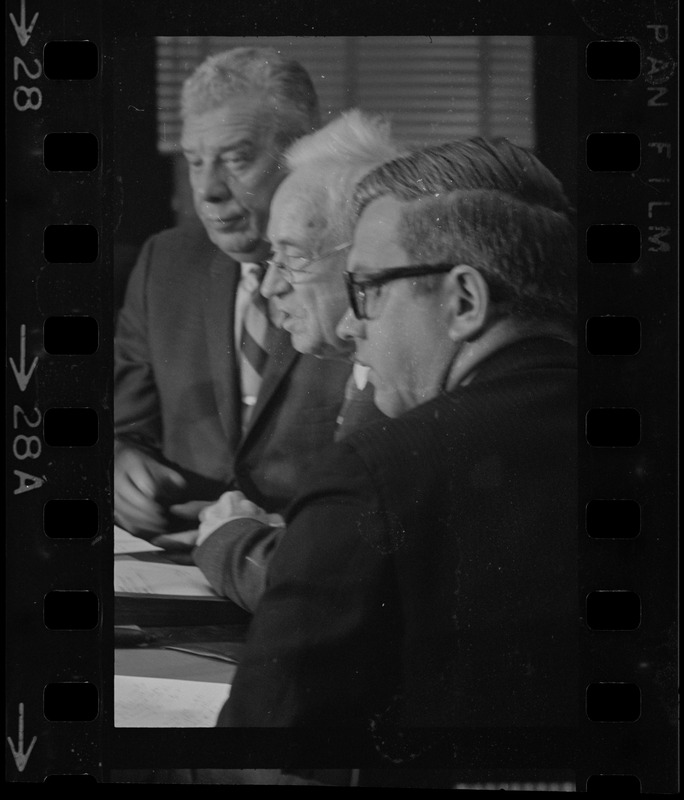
(428, 575)
(177, 391)
(235, 558)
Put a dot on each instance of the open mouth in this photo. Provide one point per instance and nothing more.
(278, 317)
(227, 223)
(288, 322)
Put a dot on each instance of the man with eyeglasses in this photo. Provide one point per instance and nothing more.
(427, 579)
(310, 228)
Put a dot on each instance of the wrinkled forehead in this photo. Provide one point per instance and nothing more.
(297, 212)
(238, 115)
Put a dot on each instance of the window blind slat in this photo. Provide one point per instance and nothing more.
(432, 89)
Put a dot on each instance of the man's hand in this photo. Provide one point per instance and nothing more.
(230, 506)
(190, 511)
(182, 542)
(143, 491)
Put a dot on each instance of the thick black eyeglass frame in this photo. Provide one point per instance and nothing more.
(357, 282)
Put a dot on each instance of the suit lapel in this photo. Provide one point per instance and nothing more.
(281, 358)
(224, 276)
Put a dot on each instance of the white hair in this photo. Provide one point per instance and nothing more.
(336, 158)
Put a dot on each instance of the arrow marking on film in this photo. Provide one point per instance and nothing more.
(23, 33)
(20, 757)
(20, 373)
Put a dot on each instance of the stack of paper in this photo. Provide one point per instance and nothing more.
(149, 577)
(124, 542)
(166, 702)
(151, 588)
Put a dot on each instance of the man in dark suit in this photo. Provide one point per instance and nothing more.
(192, 418)
(310, 227)
(427, 579)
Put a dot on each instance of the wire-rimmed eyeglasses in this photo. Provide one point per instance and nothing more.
(360, 285)
(291, 274)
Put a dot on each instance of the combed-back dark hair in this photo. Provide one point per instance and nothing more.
(493, 205)
(476, 163)
(525, 252)
(283, 83)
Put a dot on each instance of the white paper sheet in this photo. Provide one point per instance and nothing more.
(167, 702)
(125, 542)
(146, 577)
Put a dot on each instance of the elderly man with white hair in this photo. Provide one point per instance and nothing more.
(310, 228)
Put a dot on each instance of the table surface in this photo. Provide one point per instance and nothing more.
(153, 662)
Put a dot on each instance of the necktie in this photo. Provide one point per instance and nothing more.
(253, 353)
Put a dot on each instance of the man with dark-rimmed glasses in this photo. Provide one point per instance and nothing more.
(427, 579)
(363, 291)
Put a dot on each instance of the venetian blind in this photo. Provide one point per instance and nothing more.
(432, 88)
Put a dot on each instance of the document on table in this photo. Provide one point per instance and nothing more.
(148, 577)
(167, 702)
(125, 542)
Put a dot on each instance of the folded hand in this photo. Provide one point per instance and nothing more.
(230, 506)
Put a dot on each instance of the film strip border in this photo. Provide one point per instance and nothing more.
(59, 433)
(59, 428)
(627, 208)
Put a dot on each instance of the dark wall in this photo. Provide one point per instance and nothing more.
(556, 108)
(143, 177)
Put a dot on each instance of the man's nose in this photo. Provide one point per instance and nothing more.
(274, 284)
(350, 328)
(212, 185)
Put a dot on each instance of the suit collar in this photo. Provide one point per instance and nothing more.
(534, 352)
(224, 276)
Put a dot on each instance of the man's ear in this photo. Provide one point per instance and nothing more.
(468, 302)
